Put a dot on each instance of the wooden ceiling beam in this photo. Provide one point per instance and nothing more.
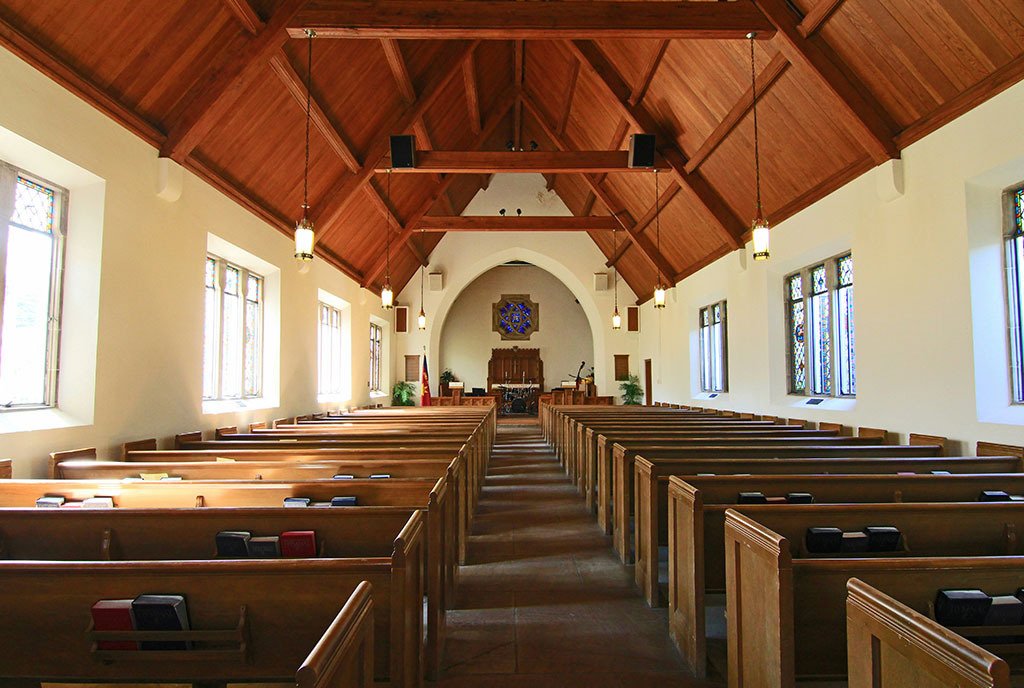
(399, 70)
(344, 189)
(765, 80)
(330, 131)
(57, 69)
(570, 93)
(645, 221)
(481, 20)
(518, 74)
(553, 162)
(472, 95)
(512, 223)
(872, 125)
(218, 90)
(647, 75)
(608, 199)
(728, 225)
(245, 14)
(505, 103)
(617, 138)
(817, 16)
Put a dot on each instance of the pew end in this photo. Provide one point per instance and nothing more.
(6, 469)
(919, 439)
(994, 449)
(885, 436)
(343, 657)
(57, 457)
(182, 438)
(218, 434)
(148, 444)
(888, 643)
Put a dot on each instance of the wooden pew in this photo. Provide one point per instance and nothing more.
(675, 459)
(273, 611)
(229, 506)
(696, 524)
(890, 644)
(777, 609)
(6, 468)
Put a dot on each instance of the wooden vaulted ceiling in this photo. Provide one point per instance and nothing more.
(219, 86)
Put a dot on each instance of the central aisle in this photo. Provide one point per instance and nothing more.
(543, 602)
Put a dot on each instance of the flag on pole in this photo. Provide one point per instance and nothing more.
(425, 396)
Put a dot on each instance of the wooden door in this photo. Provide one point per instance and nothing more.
(647, 381)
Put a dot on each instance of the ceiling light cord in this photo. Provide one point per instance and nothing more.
(309, 103)
(387, 238)
(757, 149)
(657, 221)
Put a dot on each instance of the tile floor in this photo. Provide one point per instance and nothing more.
(543, 602)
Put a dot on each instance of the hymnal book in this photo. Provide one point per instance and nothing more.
(775, 500)
(883, 538)
(266, 547)
(1006, 610)
(298, 544)
(751, 498)
(800, 498)
(161, 613)
(152, 476)
(71, 505)
(377, 476)
(343, 501)
(961, 607)
(993, 496)
(233, 544)
(941, 473)
(50, 502)
(114, 615)
(823, 540)
(320, 504)
(1017, 498)
(344, 476)
(296, 501)
(854, 542)
(221, 459)
(171, 478)
(98, 503)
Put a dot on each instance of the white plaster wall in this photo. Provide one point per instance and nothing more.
(921, 261)
(564, 337)
(148, 353)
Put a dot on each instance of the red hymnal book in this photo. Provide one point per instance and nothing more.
(114, 615)
(298, 544)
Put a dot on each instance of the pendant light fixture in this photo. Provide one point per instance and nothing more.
(659, 289)
(421, 320)
(304, 235)
(616, 318)
(387, 296)
(759, 227)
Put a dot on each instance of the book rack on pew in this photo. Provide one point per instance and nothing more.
(232, 645)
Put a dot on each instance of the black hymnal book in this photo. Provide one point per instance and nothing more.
(751, 498)
(883, 538)
(961, 607)
(800, 498)
(265, 547)
(233, 544)
(161, 613)
(823, 540)
(344, 501)
(993, 496)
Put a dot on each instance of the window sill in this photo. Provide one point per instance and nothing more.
(717, 396)
(826, 403)
(331, 398)
(29, 420)
(219, 406)
(378, 395)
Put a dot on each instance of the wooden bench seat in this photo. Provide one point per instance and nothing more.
(785, 609)
(819, 448)
(696, 526)
(890, 644)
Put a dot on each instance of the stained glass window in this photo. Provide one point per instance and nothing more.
(515, 316)
(711, 337)
(822, 360)
(233, 332)
(31, 278)
(1015, 296)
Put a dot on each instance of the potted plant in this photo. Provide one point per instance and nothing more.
(446, 376)
(631, 391)
(403, 394)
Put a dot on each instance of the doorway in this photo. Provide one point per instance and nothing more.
(648, 393)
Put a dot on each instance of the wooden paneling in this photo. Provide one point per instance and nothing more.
(412, 368)
(621, 367)
(402, 323)
(632, 319)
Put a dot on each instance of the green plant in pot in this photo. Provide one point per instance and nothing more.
(632, 392)
(403, 394)
(447, 376)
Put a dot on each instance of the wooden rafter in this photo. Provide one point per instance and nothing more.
(472, 94)
(245, 14)
(518, 74)
(344, 189)
(817, 16)
(330, 131)
(729, 226)
(399, 69)
(390, 216)
(608, 199)
(221, 87)
(494, 162)
(645, 221)
(647, 75)
(475, 19)
(765, 80)
(570, 93)
(502, 108)
(864, 113)
(509, 223)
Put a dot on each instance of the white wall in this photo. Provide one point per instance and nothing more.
(570, 256)
(924, 263)
(563, 338)
(147, 271)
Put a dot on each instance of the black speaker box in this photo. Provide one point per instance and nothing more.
(403, 152)
(641, 150)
